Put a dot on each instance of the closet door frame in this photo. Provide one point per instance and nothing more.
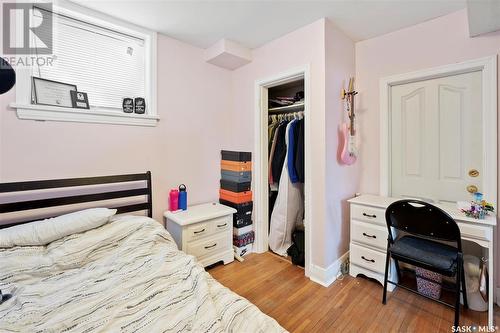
(260, 174)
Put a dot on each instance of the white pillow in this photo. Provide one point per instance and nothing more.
(45, 231)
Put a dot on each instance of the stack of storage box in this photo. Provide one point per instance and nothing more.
(235, 185)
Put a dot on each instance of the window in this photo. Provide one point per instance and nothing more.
(107, 61)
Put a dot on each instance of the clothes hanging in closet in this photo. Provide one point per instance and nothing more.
(291, 150)
(299, 151)
(272, 147)
(288, 210)
(279, 152)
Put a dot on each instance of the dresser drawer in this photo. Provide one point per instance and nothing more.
(369, 214)
(209, 245)
(474, 232)
(221, 224)
(369, 233)
(367, 258)
(197, 231)
(208, 227)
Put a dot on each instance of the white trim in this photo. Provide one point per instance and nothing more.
(327, 276)
(260, 184)
(26, 110)
(488, 67)
(54, 113)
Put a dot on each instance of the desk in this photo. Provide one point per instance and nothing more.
(368, 243)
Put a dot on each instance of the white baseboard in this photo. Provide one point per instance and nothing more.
(327, 276)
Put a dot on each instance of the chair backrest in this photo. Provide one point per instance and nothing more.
(422, 219)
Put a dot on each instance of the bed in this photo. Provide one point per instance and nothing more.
(121, 275)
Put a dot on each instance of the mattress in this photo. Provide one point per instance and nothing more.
(125, 276)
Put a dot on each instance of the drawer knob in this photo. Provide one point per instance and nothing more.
(199, 231)
(210, 246)
(369, 215)
(370, 260)
(369, 236)
(221, 225)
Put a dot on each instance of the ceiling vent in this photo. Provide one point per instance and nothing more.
(228, 54)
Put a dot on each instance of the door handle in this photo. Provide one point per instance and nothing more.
(199, 231)
(221, 225)
(369, 260)
(211, 246)
(369, 236)
(473, 173)
(472, 189)
(368, 215)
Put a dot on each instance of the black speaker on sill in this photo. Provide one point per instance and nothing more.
(7, 76)
(128, 105)
(140, 105)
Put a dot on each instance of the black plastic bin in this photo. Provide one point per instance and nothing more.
(243, 215)
(241, 221)
(235, 186)
(238, 156)
(236, 176)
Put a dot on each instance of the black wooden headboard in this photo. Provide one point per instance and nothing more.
(19, 206)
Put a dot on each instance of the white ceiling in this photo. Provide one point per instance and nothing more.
(253, 23)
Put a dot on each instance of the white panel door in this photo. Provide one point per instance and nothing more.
(436, 138)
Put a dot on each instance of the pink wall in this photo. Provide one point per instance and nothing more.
(341, 181)
(203, 108)
(437, 42)
(331, 58)
(193, 104)
(304, 46)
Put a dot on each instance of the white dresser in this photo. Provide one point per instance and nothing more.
(204, 231)
(368, 245)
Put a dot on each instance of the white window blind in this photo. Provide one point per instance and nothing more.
(106, 64)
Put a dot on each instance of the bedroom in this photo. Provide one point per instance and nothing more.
(206, 71)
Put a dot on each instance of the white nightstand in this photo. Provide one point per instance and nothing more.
(204, 231)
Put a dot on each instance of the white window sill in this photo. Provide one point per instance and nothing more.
(55, 113)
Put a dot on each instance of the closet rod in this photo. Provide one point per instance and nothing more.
(289, 108)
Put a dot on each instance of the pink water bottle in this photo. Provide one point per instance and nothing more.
(173, 199)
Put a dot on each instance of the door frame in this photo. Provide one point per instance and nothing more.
(488, 68)
(260, 184)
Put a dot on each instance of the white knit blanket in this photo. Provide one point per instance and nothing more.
(126, 276)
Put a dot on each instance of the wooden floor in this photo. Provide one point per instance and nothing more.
(280, 290)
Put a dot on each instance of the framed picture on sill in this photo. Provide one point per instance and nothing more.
(49, 92)
(79, 99)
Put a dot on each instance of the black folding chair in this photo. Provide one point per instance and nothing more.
(422, 226)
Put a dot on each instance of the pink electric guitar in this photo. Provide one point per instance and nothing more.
(348, 154)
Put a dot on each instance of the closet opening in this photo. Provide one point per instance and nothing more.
(281, 187)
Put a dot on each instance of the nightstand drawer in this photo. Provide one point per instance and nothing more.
(368, 214)
(196, 231)
(367, 258)
(222, 224)
(208, 246)
(208, 227)
(369, 233)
